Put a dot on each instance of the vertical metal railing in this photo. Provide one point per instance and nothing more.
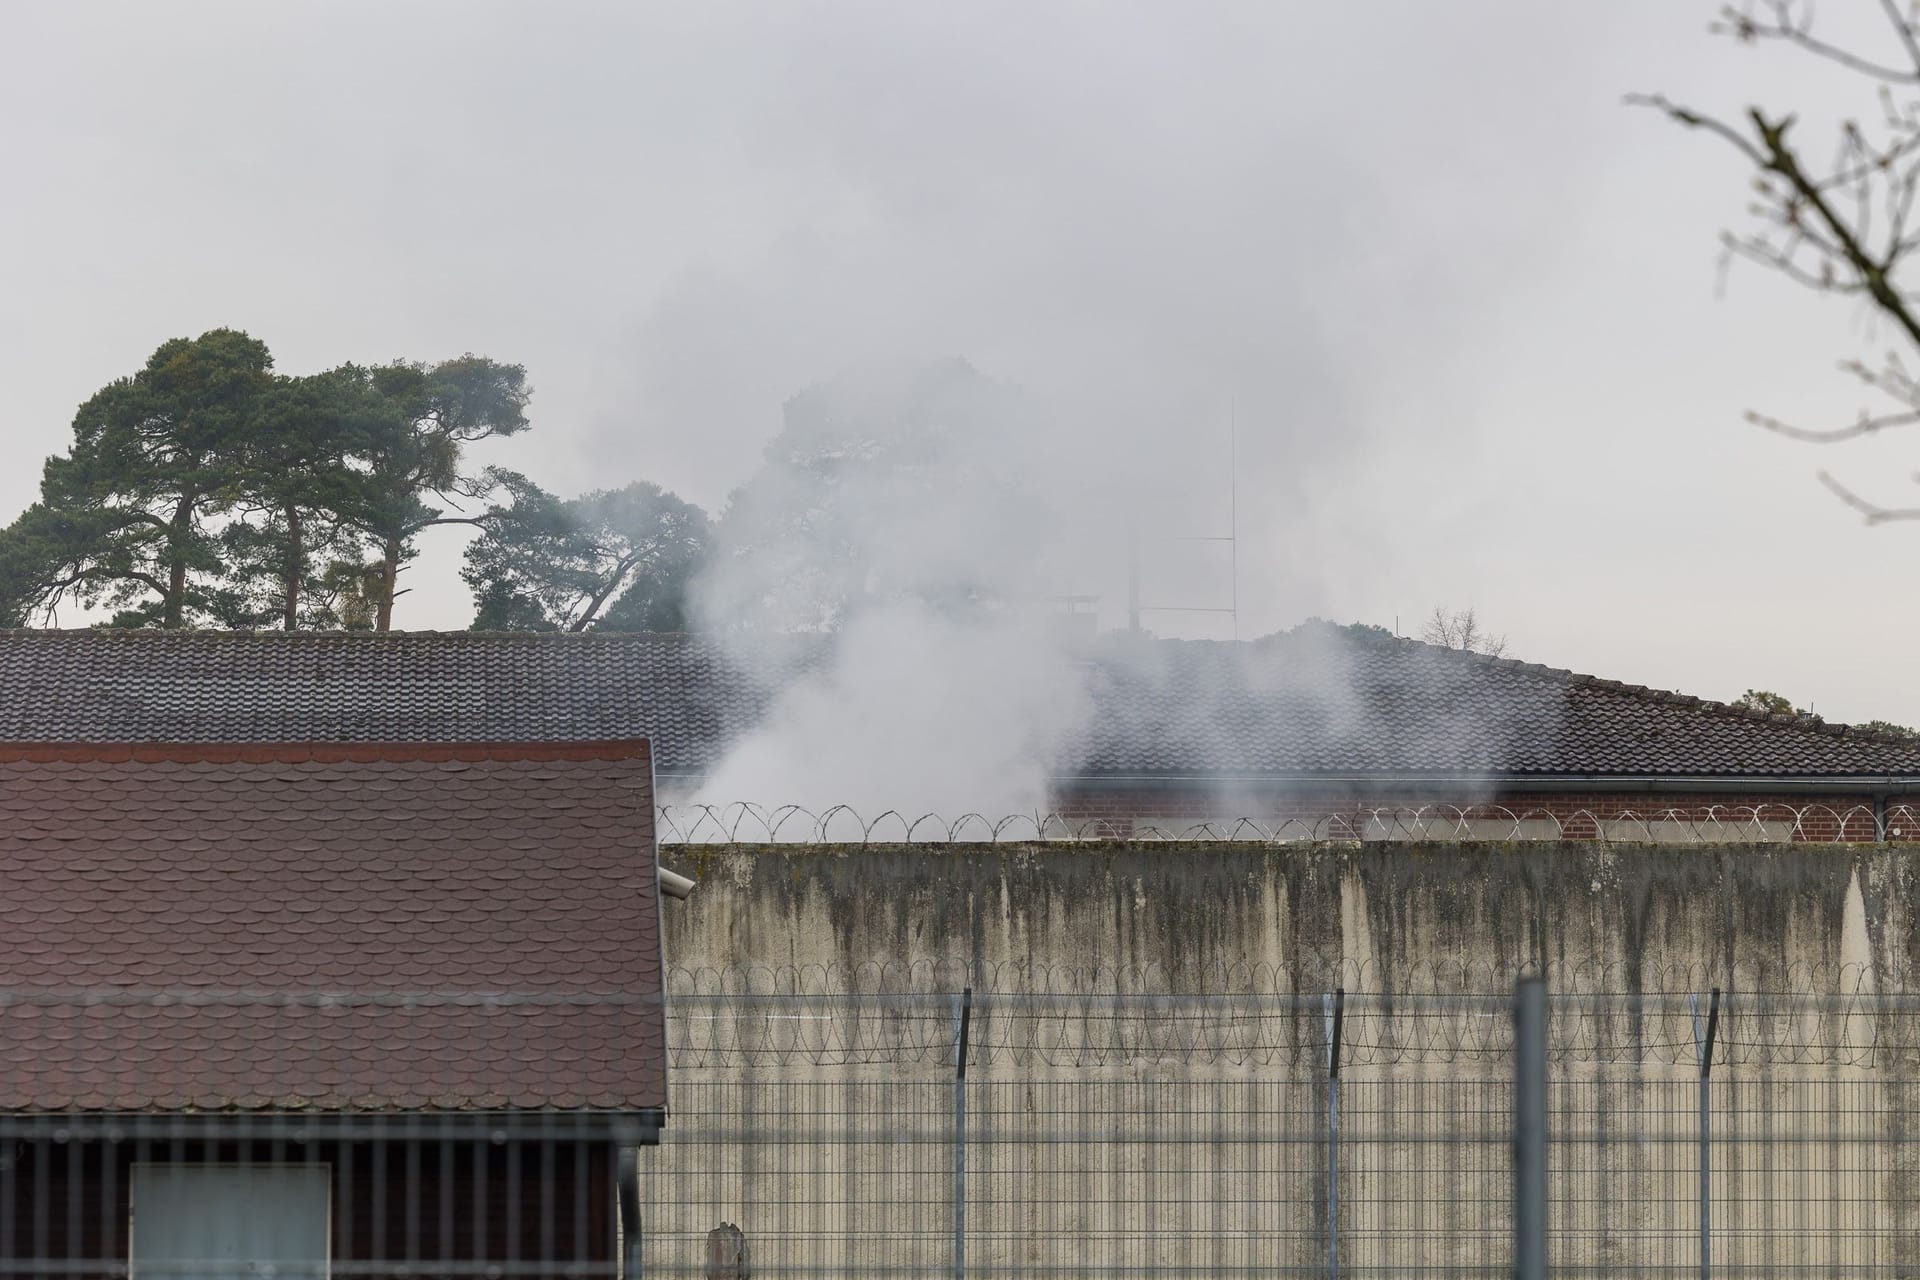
(1334, 1009)
(1703, 1038)
(962, 1026)
(1530, 1130)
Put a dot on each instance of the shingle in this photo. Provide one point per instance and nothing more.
(338, 961)
(201, 686)
(1323, 700)
(1318, 699)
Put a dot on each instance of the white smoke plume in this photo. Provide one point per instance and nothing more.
(895, 576)
(915, 713)
(911, 517)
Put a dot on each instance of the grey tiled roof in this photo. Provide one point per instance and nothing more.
(1316, 700)
(212, 686)
(1322, 700)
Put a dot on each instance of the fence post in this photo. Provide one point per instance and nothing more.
(1530, 1130)
(632, 1259)
(1334, 1008)
(962, 1024)
(1703, 1051)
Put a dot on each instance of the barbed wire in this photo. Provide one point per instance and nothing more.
(1768, 1031)
(751, 824)
(1306, 974)
(1409, 1015)
(1020, 1015)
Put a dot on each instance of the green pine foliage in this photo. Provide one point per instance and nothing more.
(208, 489)
(616, 559)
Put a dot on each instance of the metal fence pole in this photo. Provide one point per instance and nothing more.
(1530, 1130)
(1703, 1051)
(1334, 1007)
(962, 1024)
(632, 1260)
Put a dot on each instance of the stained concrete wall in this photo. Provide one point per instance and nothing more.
(1222, 1162)
(1200, 915)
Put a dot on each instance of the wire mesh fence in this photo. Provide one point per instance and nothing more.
(1004, 1130)
(1033, 1016)
(690, 824)
(1331, 1133)
(197, 1132)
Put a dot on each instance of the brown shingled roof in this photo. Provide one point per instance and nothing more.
(346, 927)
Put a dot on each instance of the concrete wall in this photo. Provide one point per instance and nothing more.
(1081, 1156)
(1203, 917)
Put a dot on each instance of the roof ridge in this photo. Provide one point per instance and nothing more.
(321, 752)
(277, 633)
(693, 696)
(1671, 697)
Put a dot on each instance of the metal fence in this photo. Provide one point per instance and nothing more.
(197, 1132)
(741, 823)
(1332, 1133)
(1037, 1124)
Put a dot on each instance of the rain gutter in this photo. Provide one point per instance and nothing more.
(1875, 784)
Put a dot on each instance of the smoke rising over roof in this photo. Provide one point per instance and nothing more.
(1459, 300)
(916, 514)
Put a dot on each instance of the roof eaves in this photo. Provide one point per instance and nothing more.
(320, 752)
(1847, 783)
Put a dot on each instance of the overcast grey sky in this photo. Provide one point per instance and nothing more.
(1459, 300)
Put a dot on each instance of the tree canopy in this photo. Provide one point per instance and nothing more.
(615, 558)
(127, 519)
(298, 487)
(1767, 701)
(415, 422)
(208, 489)
(1777, 704)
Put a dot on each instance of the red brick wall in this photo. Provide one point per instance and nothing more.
(1347, 815)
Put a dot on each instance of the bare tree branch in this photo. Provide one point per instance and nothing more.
(1873, 513)
(1866, 426)
(1824, 281)
(1695, 120)
(1460, 629)
(1872, 271)
(1903, 27)
(1742, 25)
(1846, 228)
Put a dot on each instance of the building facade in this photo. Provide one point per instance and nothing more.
(287, 1008)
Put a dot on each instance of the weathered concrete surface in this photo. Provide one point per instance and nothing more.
(1221, 1162)
(1205, 917)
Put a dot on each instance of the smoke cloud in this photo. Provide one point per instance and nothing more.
(1460, 299)
(917, 713)
(898, 575)
(908, 523)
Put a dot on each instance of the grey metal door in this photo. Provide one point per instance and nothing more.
(219, 1221)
